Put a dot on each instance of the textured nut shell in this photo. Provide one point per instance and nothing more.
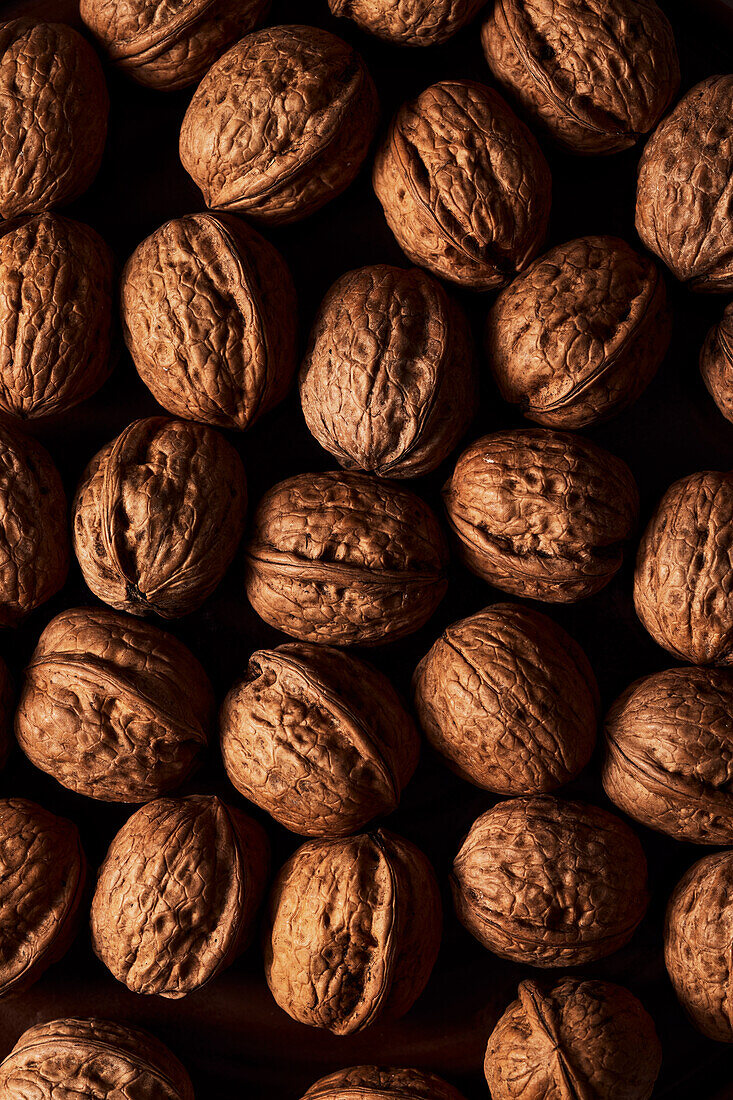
(716, 363)
(541, 514)
(550, 883)
(684, 190)
(580, 334)
(354, 930)
(464, 186)
(409, 22)
(280, 124)
(381, 1083)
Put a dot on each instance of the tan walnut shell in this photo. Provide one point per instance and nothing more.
(381, 1083)
(209, 318)
(580, 334)
(112, 707)
(178, 893)
(716, 363)
(464, 185)
(409, 22)
(317, 738)
(280, 125)
(541, 514)
(353, 931)
(344, 559)
(387, 384)
(550, 883)
(596, 74)
(158, 515)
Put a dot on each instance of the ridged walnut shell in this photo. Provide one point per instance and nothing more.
(354, 930)
(158, 515)
(209, 318)
(381, 1083)
(509, 700)
(716, 363)
(409, 22)
(550, 883)
(683, 191)
(317, 738)
(178, 893)
(280, 125)
(575, 1039)
(580, 334)
(541, 514)
(345, 559)
(595, 74)
(55, 107)
(112, 707)
(387, 384)
(464, 185)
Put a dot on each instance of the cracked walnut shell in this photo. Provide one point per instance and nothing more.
(716, 363)
(381, 1083)
(409, 22)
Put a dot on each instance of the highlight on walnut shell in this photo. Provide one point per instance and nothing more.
(382, 1083)
(414, 23)
(716, 363)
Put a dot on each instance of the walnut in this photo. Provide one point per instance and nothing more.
(158, 515)
(353, 932)
(409, 22)
(550, 883)
(716, 363)
(541, 514)
(178, 893)
(595, 75)
(683, 192)
(209, 318)
(382, 1083)
(280, 125)
(464, 186)
(388, 383)
(580, 334)
(345, 559)
(317, 738)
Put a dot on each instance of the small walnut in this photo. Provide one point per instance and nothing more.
(388, 383)
(318, 739)
(716, 363)
(158, 515)
(550, 883)
(280, 125)
(541, 514)
(178, 893)
(354, 930)
(382, 1083)
(409, 22)
(580, 334)
(464, 186)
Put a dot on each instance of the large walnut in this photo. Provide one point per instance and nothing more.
(541, 514)
(580, 334)
(550, 883)
(409, 22)
(209, 318)
(381, 1083)
(354, 930)
(716, 362)
(158, 515)
(345, 559)
(464, 186)
(280, 124)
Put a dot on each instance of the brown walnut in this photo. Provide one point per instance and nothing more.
(381, 1083)
(280, 125)
(716, 363)
(409, 22)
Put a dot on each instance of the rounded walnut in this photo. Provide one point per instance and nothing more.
(716, 363)
(409, 22)
(382, 1083)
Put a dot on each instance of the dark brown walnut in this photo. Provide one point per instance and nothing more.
(353, 931)
(541, 514)
(409, 22)
(381, 1083)
(178, 893)
(280, 125)
(550, 883)
(387, 384)
(317, 738)
(345, 559)
(112, 707)
(158, 515)
(716, 363)
(580, 334)
(464, 185)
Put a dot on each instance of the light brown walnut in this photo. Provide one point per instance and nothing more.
(409, 22)
(381, 1083)
(716, 363)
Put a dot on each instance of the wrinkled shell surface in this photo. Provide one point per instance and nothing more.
(382, 1083)
(409, 22)
(716, 363)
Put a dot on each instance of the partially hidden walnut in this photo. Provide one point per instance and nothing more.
(716, 363)
(409, 22)
(382, 1083)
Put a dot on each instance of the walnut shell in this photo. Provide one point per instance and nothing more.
(595, 74)
(464, 186)
(409, 22)
(158, 515)
(178, 893)
(344, 559)
(541, 514)
(354, 930)
(387, 384)
(580, 334)
(280, 125)
(382, 1083)
(318, 739)
(716, 363)
(550, 883)
(683, 208)
(209, 318)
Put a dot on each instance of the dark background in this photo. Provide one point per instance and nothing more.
(231, 1036)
